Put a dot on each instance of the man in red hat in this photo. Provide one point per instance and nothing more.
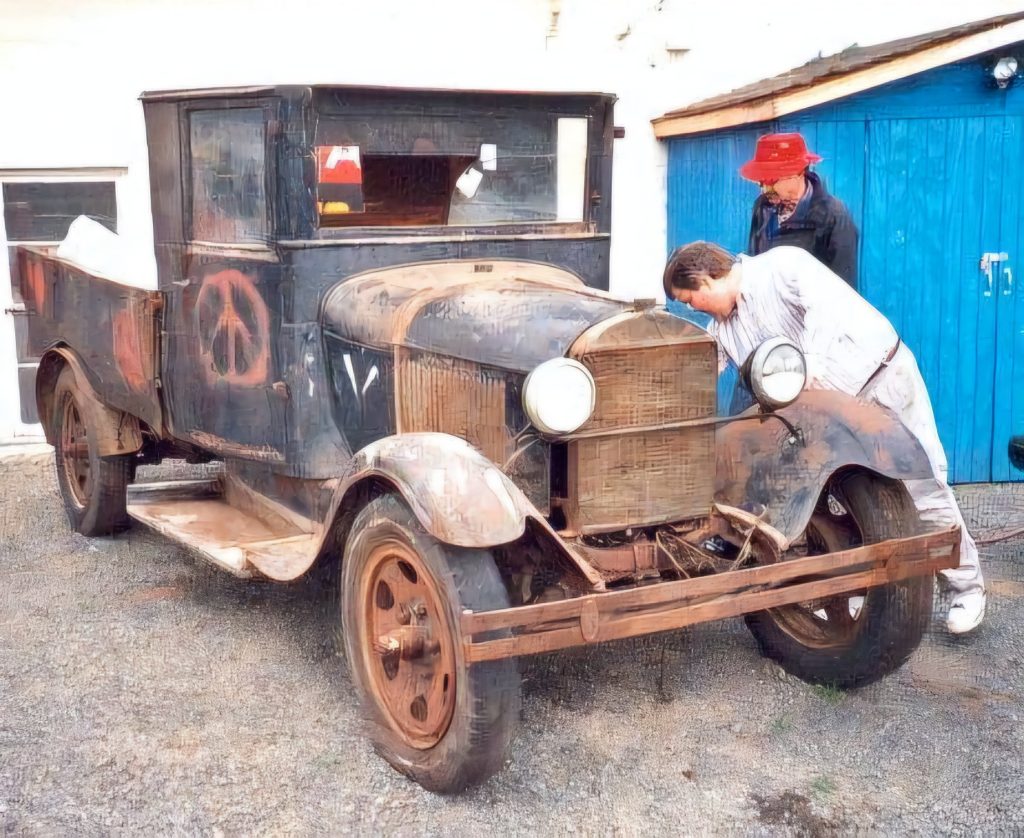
(794, 207)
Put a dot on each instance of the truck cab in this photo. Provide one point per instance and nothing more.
(263, 199)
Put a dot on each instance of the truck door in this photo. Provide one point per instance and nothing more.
(224, 312)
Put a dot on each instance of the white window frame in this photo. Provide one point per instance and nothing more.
(12, 429)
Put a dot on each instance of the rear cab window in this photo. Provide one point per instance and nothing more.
(467, 169)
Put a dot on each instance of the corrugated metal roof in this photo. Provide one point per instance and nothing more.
(832, 67)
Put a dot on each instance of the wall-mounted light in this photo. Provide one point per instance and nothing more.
(1004, 71)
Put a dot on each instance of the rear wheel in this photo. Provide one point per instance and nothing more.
(94, 488)
(857, 638)
(435, 718)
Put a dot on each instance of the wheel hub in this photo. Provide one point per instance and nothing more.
(834, 621)
(410, 648)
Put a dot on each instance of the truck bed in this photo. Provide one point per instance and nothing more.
(113, 328)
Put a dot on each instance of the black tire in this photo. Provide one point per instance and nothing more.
(892, 619)
(95, 490)
(484, 705)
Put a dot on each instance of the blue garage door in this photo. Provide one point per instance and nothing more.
(944, 193)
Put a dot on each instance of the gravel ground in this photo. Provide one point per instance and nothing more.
(144, 691)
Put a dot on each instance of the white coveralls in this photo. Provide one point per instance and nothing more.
(787, 292)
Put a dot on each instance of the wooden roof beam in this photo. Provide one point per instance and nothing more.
(798, 99)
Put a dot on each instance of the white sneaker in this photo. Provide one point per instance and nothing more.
(966, 612)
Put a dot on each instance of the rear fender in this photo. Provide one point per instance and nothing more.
(116, 431)
(759, 462)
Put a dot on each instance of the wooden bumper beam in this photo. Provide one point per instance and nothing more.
(595, 618)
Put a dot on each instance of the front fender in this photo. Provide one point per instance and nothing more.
(757, 462)
(457, 494)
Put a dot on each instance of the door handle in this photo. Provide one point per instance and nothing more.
(987, 261)
(1008, 290)
(986, 267)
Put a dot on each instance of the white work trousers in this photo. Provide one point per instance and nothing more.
(900, 388)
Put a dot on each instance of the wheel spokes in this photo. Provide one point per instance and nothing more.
(412, 655)
(832, 621)
(74, 445)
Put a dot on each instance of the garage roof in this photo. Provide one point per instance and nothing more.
(845, 73)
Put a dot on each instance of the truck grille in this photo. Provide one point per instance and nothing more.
(447, 395)
(655, 475)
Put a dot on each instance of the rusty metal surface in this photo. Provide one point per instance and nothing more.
(650, 372)
(506, 314)
(639, 327)
(111, 328)
(448, 395)
(759, 462)
(671, 605)
(222, 323)
(633, 559)
(631, 480)
(239, 543)
(457, 495)
(244, 540)
(116, 432)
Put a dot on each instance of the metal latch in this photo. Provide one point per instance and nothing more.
(16, 308)
(985, 266)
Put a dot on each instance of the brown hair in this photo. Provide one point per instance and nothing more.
(688, 262)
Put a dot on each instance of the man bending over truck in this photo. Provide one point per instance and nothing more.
(848, 345)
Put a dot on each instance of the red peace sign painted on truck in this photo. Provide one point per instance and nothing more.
(234, 329)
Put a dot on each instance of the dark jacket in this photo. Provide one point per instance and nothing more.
(824, 228)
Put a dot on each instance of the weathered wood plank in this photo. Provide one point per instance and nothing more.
(940, 545)
(618, 627)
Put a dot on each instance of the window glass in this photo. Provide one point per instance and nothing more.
(472, 168)
(43, 211)
(229, 202)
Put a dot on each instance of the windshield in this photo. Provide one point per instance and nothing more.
(478, 168)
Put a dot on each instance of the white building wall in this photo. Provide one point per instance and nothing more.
(71, 72)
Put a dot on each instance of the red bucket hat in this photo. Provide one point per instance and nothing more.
(778, 156)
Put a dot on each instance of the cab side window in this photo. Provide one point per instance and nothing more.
(229, 199)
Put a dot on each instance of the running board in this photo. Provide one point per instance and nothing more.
(195, 514)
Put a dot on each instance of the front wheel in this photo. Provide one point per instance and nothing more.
(435, 718)
(856, 638)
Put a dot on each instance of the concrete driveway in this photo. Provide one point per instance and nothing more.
(141, 690)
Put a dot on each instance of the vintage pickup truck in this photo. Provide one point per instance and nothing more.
(382, 311)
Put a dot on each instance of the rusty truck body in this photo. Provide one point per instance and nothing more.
(384, 312)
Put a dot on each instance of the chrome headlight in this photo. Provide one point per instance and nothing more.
(778, 373)
(558, 396)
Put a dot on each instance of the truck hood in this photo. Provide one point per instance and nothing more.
(505, 314)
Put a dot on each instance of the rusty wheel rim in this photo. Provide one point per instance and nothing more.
(836, 621)
(74, 450)
(408, 645)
